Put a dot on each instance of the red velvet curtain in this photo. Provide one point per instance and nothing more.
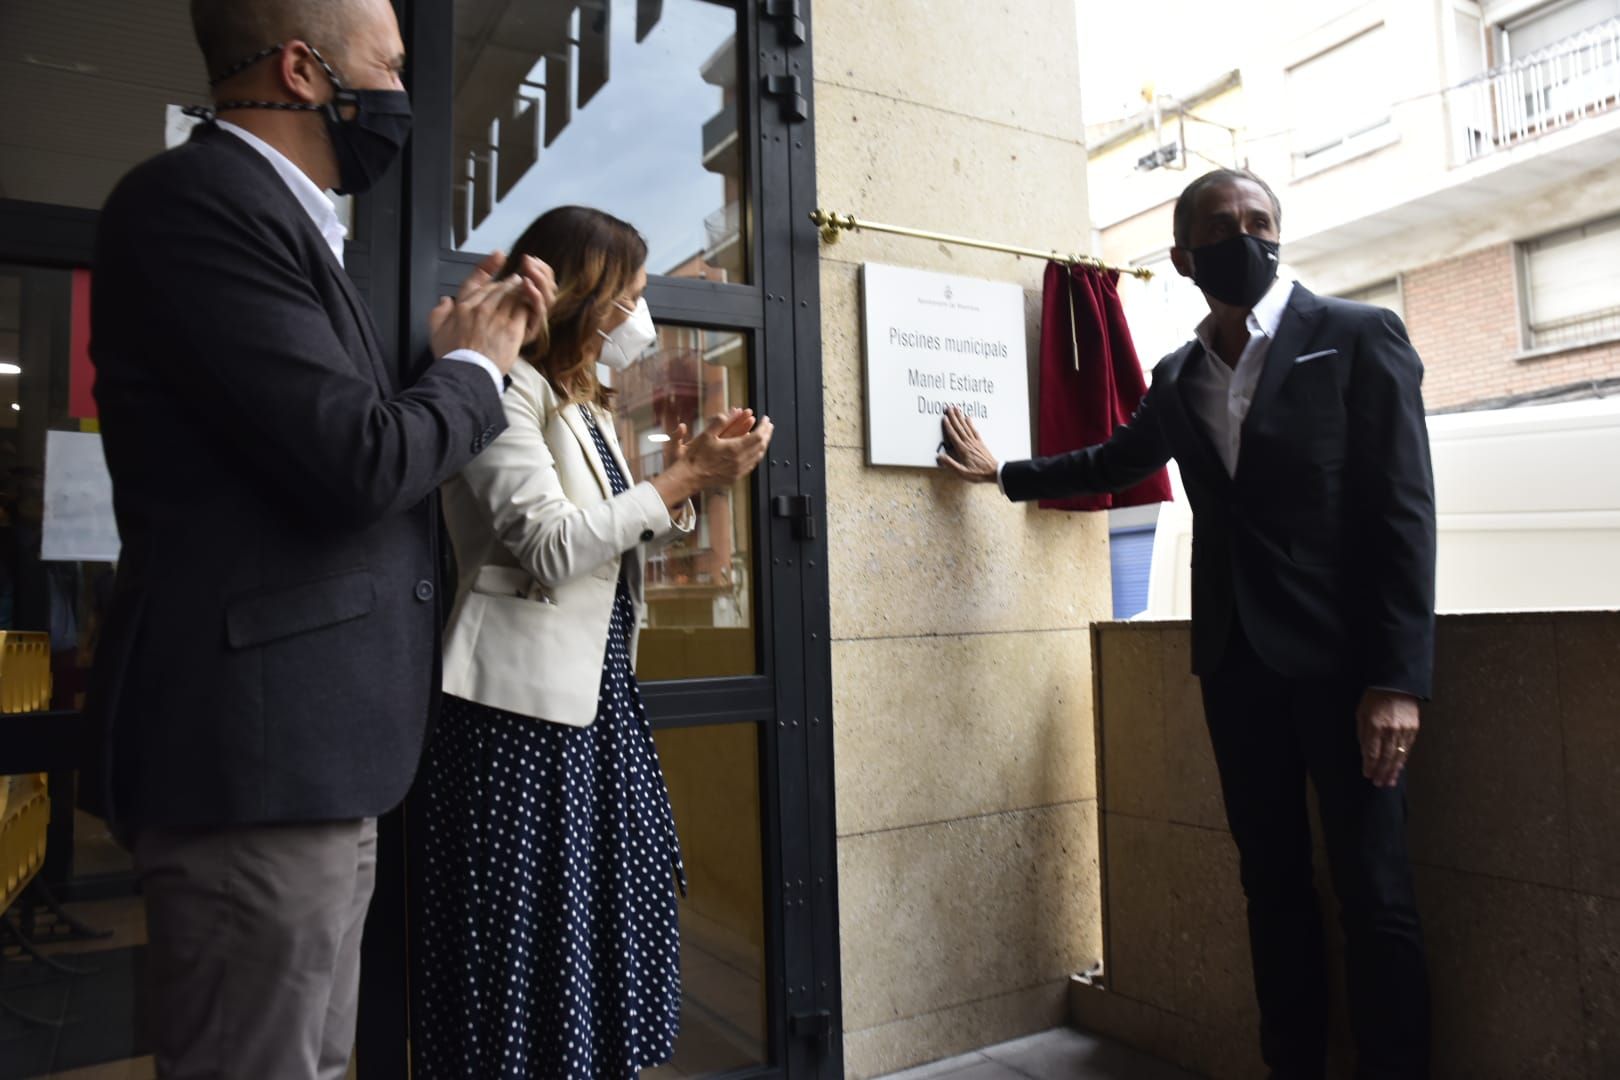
(1091, 380)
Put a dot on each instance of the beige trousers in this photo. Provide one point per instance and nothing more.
(254, 947)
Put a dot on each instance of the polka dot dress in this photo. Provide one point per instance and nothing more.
(546, 942)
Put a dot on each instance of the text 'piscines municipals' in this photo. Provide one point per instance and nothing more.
(906, 339)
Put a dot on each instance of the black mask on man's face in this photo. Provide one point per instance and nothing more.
(365, 143)
(369, 141)
(1237, 270)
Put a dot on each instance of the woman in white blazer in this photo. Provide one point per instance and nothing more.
(543, 892)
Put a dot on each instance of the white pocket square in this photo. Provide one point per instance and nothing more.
(1308, 357)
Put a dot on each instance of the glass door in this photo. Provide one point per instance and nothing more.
(82, 107)
(654, 111)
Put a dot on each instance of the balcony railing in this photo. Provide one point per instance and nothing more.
(1554, 88)
(722, 228)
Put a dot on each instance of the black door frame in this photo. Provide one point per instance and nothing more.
(48, 236)
(791, 700)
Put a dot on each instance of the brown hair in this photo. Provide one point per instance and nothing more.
(595, 257)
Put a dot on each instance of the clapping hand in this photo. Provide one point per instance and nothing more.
(730, 446)
(494, 316)
(727, 425)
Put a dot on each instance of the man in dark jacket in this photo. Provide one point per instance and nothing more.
(265, 676)
(1298, 424)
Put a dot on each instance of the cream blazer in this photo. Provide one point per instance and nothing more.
(540, 543)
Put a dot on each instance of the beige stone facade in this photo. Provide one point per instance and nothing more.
(961, 663)
(1513, 817)
(1402, 214)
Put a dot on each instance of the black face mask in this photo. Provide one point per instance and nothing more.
(366, 143)
(1237, 270)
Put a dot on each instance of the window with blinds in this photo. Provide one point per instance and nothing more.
(1339, 94)
(1130, 565)
(1548, 26)
(1384, 294)
(1571, 285)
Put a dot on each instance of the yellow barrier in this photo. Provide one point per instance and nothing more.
(22, 833)
(25, 803)
(25, 671)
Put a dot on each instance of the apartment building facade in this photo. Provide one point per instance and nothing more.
(1455, 160)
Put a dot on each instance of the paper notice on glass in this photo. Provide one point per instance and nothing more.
(177, 125)
(79, 525)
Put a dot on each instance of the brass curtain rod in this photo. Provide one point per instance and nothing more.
(832, 225)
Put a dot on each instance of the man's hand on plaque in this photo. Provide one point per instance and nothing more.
(966, 454)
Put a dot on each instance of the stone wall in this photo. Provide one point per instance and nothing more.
(1514, 814)
(961, 662)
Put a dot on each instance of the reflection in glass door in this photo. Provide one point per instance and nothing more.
(68, 975)
(700, 617)
(713, 776)
(629, 107)
(700, 624)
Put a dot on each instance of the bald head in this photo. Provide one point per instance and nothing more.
(230, 31)
(325, 45)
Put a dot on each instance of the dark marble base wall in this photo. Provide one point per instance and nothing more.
(1515, 830)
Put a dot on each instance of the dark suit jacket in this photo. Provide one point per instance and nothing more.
(1322, 546)
(272, 648)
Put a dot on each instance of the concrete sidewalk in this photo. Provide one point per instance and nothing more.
(1059, 1054)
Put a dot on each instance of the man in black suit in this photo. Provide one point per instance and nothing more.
(264, 680)
(1298, 424)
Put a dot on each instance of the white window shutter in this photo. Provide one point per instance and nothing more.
(1573, 281)
(1339, 93)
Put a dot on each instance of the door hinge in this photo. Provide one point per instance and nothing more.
(792, 19)
(801, 510)
(790, 92)
(816, 1025)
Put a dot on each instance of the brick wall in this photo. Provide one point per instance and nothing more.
(1463, 315)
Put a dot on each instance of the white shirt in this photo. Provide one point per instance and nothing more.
(311, 198)
(332, 230)
(1220, 396)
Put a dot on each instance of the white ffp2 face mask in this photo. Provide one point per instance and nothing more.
(626, 342)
